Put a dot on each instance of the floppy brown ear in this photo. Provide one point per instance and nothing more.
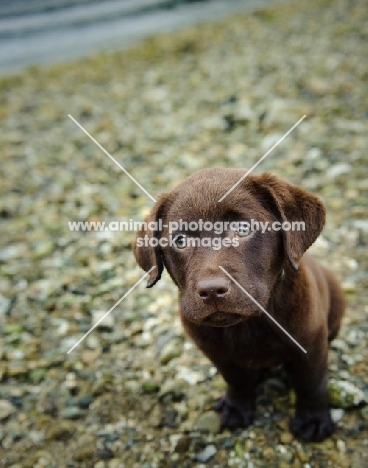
(295, 204)
(145, 253)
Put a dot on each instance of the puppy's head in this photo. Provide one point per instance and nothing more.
(254, 258)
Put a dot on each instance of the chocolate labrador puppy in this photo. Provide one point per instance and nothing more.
(225, 322)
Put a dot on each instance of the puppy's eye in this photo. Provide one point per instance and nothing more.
(243, 230)
(181, 242)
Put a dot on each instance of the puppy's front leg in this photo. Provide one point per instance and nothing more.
(312, 420)
(236, 407)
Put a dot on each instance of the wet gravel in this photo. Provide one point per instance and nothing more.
(136, 393)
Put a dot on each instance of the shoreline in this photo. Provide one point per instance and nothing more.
(57, 37)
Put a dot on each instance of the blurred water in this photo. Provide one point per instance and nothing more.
(35, 32)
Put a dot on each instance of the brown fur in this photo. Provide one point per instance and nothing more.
(224, 323)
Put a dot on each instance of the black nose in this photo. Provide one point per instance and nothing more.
(213, 288)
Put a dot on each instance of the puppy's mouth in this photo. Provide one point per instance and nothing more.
(222, 319)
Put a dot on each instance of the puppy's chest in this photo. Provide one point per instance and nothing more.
(256, 347)
(248, 345)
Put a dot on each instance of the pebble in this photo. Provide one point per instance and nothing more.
(286, 438)
(172, 387)
(85, 449)
(115, 463)
(349, 287)
(269, 454)
(337, 170)
(6, 409)
(206, 454)
(364, 413)
(341, 446)
(302, 455)
(150, 387)
(208, 422)
(37, 375)
(4, 305)
(343, 394)
(181, 444)
(337, 414)
(89, 357)
(36, 436)
(107, 324)
(283, 464)
(11, 328)
(171, 351)
(72, 412)
(85, 401)
(361, 224)
(17, 369)
(190, 376)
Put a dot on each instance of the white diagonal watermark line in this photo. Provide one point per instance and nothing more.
(262, 158)
(112, 308)
(113, 159)
(263, 310)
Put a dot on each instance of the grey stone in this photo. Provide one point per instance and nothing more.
(206, 454)
(209, 422)
(71, 412)
(6, 409)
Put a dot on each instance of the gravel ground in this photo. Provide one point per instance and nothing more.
(136, 393)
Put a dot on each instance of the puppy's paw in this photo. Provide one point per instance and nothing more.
(312, 426)
(234, 414)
